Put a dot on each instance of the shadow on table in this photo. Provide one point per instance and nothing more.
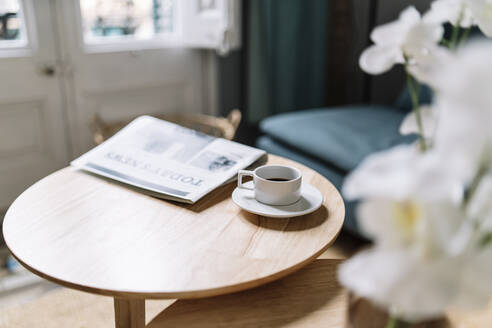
(309, 298)
(222, 194)
(216, 196)
(213, 198)
(299, 223)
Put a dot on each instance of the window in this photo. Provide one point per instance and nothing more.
(103, 20)
(119, 25)
(12, 27)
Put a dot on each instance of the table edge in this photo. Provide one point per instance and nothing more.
(187, 294)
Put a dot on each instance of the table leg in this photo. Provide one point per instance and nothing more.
(129, 313)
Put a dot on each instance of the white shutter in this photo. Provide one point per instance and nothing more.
(211, 24)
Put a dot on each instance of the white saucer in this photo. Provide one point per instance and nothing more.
(311, 200)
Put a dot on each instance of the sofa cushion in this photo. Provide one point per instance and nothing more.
(336, 178)
(340, 137)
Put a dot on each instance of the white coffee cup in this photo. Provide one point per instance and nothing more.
(274, 184)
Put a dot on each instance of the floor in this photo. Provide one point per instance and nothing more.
(17, 285)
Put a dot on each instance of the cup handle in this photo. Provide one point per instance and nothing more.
(240, 175)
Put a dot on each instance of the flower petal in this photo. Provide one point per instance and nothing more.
(428, 117)
(421, 38)
(377, 220)
(424, 67)
(445, 11)
(468, 19)
(379, 59)
(412, 288)
(388, 34)
(394, 33)
(404, 172)
(482, 12)
(410, 16)
(428, 228)
(383, 175)
(475, 282)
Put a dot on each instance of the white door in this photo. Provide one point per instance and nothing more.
(62, 61)
(130, 57)
(33, 140)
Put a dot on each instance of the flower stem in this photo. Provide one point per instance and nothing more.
(456, 30)
(394, 322)
(474, 185)
(446, 43)
(453, 43)
(414, 95)
(464, 35)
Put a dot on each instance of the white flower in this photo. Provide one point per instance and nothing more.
(415, 288)
(432, 241)
(464, 13)
(429, 116)
(407, 38)
(482, 12)
(450, 11)
(426, 259)
(465, 79)
(423, 226)
(424, 69)
(463, 139)
(400, 173)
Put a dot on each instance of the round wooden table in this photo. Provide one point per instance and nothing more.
(91, 234)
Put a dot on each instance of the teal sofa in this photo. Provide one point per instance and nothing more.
(333, 141)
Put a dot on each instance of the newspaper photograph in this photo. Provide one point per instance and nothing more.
(168, 160)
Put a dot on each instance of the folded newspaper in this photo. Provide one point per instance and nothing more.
(167, 160)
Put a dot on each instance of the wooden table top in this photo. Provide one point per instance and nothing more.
(92, 234)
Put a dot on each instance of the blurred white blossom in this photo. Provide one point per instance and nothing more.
(455, 12)
(428, 115)
(407, 38)
(423, 226)
(463, 139)
(424, 69)
(430, 213)
(465, 79)
(482, 12)
(427, 258)
(415, 288)
(463, 13)
(400, 173)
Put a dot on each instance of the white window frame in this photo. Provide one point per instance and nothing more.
(225, 24)
(124, 43)
(27, 46)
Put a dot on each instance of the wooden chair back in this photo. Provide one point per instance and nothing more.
(222, 127)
